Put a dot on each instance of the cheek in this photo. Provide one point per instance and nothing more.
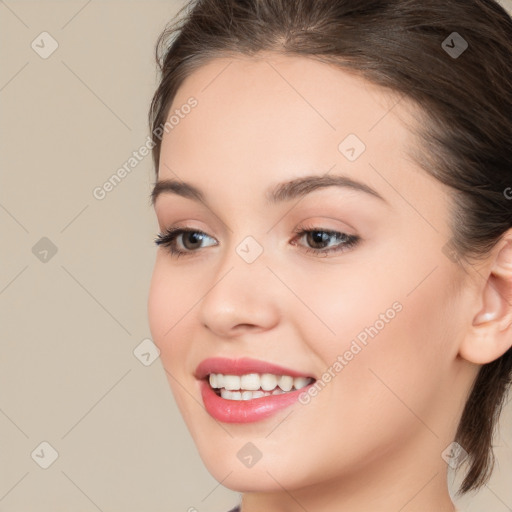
(389, 341)
(158, 298)
(397, 378)
(344, 305)
(169, 302)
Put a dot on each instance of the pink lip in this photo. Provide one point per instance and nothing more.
(244, 411)
(241, 367)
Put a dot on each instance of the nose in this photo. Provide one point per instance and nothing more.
(240, 297)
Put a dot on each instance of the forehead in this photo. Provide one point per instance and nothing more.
(279, 95)
(260, 120)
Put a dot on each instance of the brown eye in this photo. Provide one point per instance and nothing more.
(191, 239)
(317, 240)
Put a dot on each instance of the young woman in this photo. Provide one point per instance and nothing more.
(332, 293)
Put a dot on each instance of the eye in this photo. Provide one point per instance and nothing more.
(170, 237)
(191, 240)
(317, 236)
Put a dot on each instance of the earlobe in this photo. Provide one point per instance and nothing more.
(490, 334)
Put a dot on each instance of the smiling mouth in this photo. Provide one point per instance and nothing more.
(254, 385)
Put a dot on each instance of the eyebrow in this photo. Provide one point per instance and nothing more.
(281, 192)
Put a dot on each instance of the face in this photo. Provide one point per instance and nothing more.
(345, 283)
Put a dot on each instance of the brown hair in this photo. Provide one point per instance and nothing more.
(403, 46)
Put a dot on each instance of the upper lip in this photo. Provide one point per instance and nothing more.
(242, 366)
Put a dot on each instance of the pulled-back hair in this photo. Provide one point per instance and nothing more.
(465, 140)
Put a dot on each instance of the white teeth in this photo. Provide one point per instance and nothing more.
(254, 385)
(300, 382)
(268, 381)
(285, 383)
(232, 382)
(251, 382)
(247, 395)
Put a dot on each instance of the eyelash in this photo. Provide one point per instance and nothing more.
(168, 239)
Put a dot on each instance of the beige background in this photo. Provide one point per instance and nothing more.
(69, 325)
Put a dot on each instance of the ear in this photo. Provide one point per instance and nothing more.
(490, 334)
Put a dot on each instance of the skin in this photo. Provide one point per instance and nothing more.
(372, 438)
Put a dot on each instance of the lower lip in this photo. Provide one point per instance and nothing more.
(246, 411)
